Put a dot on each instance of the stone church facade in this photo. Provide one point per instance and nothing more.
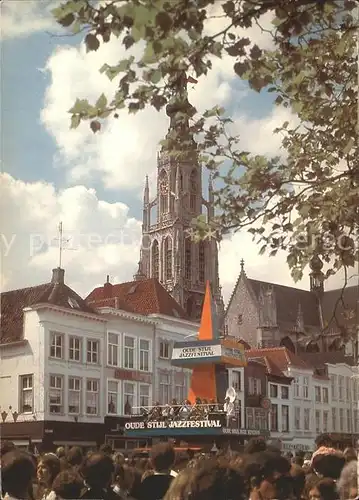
(168, 251)
(305, 321)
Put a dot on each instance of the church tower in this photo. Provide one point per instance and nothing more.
(168, 252)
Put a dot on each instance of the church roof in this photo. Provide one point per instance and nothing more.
(13, 303)
(139, 297)
(288, 299)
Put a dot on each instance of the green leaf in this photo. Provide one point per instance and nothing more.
(101, 102)
(66, 20)
(149, 56)
(156, 76)
(92, 42)
(75, 121)
(81, 107)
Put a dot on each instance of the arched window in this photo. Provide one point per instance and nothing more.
(168, 258)
(163, 192)
(193, 188)
(188, 258)
(201, 262)
(155, 253)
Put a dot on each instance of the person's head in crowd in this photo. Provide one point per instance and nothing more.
(212, 480)
(97, 470)
(106, 449)
(324, 489)
(118, 458)
(267, 475)
(75, 456)
(163, 457)
(67, 485)
(324, 440)
(178, 489)
(6, 446)
(17, 473)
(255, 445)
(60, 452)
(64, 465)
(348, 481)
(47, 469)
(298, 480)
(350, 454)
(124, 478)
(327, 462)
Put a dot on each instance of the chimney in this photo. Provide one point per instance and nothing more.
(58, 276)
(107, 288)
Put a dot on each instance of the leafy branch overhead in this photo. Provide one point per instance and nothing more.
(305, 202)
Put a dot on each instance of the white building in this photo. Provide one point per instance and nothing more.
(51, 352)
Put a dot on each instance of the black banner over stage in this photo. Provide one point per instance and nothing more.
(174, 424)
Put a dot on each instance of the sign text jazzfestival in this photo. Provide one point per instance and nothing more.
(180, 424)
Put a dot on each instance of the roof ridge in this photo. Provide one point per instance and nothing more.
(278, 284)
(27, 288)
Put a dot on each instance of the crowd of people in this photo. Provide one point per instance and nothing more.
(260, 472)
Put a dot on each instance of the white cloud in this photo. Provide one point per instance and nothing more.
(125, 149)
(100, 238)
(21, 18)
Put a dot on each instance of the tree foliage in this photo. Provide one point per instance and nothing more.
(305, 202)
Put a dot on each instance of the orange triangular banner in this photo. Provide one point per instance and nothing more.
(208, 329)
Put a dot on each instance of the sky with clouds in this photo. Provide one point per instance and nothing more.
(93, 183)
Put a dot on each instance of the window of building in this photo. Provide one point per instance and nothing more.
(317, 420)
(112, 397)
(129, 353)
(254, 385)
(306, 419)
(297, 417)
(250, 418)
(347, 386)
(93, 348)
(325, 421)
(284, 392)
(341, 387)
(318, 394)
(144, 355)
(341, 419)
(26, 394)
(201, 262)
(164, 349)
(188, 258)
(74, 395)
(296, 387)
(144, 393)
(56, 394)
(164, 192)
(237, 382)
(193, 190)
(57, 345)
(325, 395)
(306, 387)
(75, 347)
(273, 390)
(333, 386)
(285, 418)
(334, 419)
(92, 396)
(113, 349)
(356, 421)
(274, 418)
(168, 258)
(165, 388)
(355, 386)
(260, 419)
(180, 387)
(129, 398)
(349, 421)
(155, 257)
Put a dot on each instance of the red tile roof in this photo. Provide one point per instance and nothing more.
(140, 297)
(279, 358)
(14, 301)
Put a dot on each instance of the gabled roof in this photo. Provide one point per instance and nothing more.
(140, 297)
(13, 303)
(287, 301)
(279, 357)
